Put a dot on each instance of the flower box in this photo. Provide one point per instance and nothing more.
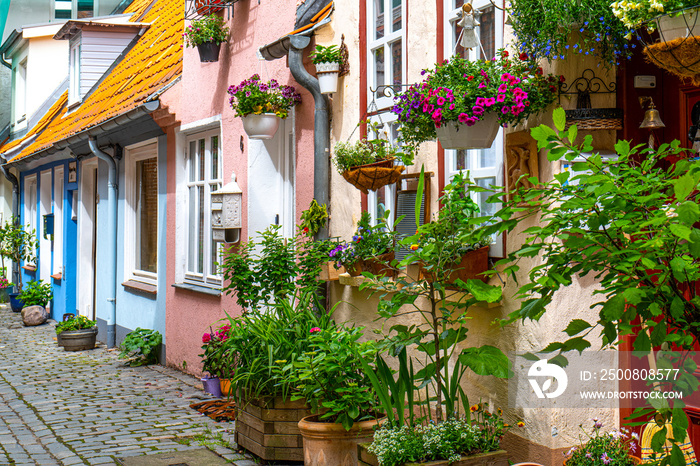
(453, 135)
(268, 428)
(494, 458)
(379, 266)
(262, 126)
(472, 266)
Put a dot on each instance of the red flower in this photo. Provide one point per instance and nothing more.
(470, 78)
(505, 53)
(206, 338)
(562, 78)
(539, 71)
(523, 56)
(306, 229)
(553, 88)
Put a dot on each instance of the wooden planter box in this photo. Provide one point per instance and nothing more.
(494, 458)
(268, 428)
(472, 266)
(329, 273)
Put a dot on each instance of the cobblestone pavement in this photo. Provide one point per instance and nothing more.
(86, 407)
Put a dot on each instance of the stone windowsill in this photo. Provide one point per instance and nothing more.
(452, 295)
(133, 285)
(198, 289)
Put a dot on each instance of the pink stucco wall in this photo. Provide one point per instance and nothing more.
(201, 94)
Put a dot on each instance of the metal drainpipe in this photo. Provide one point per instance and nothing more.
(15, 211)
(322, 135)
(111, 237)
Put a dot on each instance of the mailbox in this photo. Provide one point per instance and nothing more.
(226, 212)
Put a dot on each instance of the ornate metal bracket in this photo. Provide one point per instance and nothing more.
(197, 9)
(345, 66)
(586, 84)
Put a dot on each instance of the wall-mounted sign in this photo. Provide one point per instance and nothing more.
(72, 172)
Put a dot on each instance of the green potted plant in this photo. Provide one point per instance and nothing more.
(140, 347)
(330, 377)
(217, 382)
(36, 293)
(257, 345)
(554, 29)
(369, 164)
(19, 245)
(261, 105)
(602, 448)
(207, 34)
(77, 333)
(371, 249)
(464, 102)
(327, 60)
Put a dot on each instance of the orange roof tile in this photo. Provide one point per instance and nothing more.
(41, 124)
(153, 63)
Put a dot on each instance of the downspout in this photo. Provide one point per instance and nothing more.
(322, 136)
(15, 210)
(111, 239)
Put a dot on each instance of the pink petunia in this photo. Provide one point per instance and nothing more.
(480, 101)
(501, 98)
(425, 108)
(477, 110)
(440, 100)
(452, 107)
(505, 77)
(490, 101)
(505, 110)
(482, 85)
(471, 121)
(314, 330)
(503, 88)
(463, 118)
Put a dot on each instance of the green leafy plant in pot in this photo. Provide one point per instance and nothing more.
(77, 333)
(140, 347)
(36, 293)
(18, 245)
(207, 34)
(328, 60)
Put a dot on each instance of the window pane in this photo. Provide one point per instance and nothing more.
(381, 203)
(193, 157)
(396, 62)
(215, 256)
(193, 243)
(85, 9)
(460, 160)
(200, 157)
(62, 9)
(487, 32)
(379, 70)
(486, 208)
(215, 157)
(457, 4)
(486, 158)
(395, 15)
(200, 236)
(147, 215)
(378, 19)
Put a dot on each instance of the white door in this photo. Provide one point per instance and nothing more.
(45, 206)
(87, 224)
(271, 181)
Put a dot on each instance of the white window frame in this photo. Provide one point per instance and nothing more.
(74, 71)
(31, 195)
(135, 153)
(192, 276)
(476, 173)
(58, 202)
(384, 101)
(74, 9)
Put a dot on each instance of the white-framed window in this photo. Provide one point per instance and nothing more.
(485, 166)
(20, 95)
(386, 48)
(383, 199)
(74, 71)
(204, 168)
(67, 9)
(58, 221)
(141, 213)
(30, 204)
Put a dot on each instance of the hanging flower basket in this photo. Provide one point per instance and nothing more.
(453, 135)
(262, 126)
(208, 52)
(373, 176)
(678, 27)
(327, 74)
(680, 57)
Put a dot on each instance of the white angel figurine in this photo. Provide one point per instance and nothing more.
(468, 23)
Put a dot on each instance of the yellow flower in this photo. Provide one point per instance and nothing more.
(257, 109)
(268, 106)
(414, 247)
(474, 408)
(520, 424)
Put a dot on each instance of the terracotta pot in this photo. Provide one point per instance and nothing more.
(208, 52)
(225, 386)
(329, 444)
(262, 126)
(472, 266)
(455, 135)
(379, 266)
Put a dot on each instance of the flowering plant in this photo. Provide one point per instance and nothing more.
(256, 97)
(5, 283)
(460, 90)
(368, 242)
(447, 440)
(208, 29)
(633, 14)
(213, 360)
(552, 28)
(609, 448)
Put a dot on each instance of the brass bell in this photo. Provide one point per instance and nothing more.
(652, 119)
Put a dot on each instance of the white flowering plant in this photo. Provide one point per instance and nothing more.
(604, 448)
(635, 14)
(447, 440)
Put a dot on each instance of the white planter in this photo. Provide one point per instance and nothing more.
(262, 126)
(674, 27)
(327, 74)
(455, 135)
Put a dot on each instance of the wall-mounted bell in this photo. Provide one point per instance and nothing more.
(652, 119)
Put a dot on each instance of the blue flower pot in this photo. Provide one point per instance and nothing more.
(15, 303)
